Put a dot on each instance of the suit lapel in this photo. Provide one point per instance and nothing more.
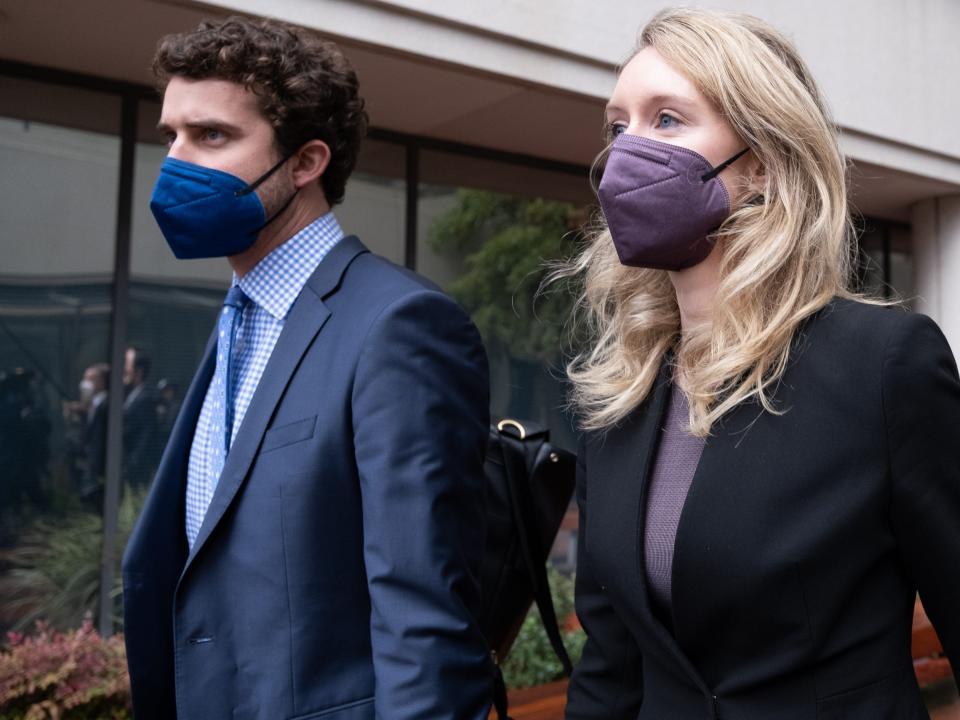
(181, 437)
(307, 317)
(162, 518)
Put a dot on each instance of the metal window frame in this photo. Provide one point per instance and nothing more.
(884, 227)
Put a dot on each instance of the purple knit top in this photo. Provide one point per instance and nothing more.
(676, 461)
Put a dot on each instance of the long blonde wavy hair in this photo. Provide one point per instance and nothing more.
(782, 260)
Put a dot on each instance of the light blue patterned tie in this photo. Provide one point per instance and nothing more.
(221, 422)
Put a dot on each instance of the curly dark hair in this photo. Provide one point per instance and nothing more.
(307, 88)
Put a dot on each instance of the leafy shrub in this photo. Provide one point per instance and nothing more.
(76, 675)
(53, 573)
(507, 241)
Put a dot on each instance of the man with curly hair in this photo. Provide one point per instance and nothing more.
(311, 543)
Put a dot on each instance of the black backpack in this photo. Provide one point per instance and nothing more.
(529, 485)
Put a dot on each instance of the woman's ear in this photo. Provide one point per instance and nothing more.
(310, 161)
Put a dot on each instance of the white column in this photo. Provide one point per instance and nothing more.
(936, 252)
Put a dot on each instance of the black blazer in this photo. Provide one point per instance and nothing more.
(802, 543)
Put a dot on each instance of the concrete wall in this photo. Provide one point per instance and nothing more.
(936, 252)
(884, 65)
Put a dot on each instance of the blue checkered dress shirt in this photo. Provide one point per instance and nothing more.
(272, 286)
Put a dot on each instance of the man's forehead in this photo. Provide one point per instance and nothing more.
(191, 100)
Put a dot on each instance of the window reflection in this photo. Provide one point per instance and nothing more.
(374, 208)
(885, 259)
(487, 241)
(59, 170)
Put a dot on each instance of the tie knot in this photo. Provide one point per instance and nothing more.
(236, 298)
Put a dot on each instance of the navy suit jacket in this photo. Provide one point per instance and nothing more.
(335, 573)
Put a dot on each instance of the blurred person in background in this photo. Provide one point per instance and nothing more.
(24, 440)
(86, 421)
(141, 433)
(168, 406)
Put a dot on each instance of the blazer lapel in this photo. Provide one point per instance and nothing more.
(307, 316)
(649, 439)
(635, 470)
(181, 437)
(622, 463)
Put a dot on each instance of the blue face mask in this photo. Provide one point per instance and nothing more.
(204, 212)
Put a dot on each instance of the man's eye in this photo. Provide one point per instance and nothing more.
(212, 135)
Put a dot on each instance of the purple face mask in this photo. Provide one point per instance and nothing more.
(661, 201)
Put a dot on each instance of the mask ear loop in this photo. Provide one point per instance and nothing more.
(260, 180)
(279, 212)
(706, 177)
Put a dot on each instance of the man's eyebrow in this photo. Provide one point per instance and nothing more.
(203, 124)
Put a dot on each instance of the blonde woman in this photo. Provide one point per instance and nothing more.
(771, 464)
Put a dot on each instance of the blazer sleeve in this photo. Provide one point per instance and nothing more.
(607, 683)
(921, 395)
(420, 424)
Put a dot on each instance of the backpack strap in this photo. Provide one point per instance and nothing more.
(515, 468)
(500, 695)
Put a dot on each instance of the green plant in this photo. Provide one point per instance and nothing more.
(76, 675)
(53, 573)
(531, 661)
(507, 241)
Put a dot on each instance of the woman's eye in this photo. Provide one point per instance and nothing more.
(666, 122)
(617, 129)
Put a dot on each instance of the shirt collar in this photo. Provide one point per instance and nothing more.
(276, 281)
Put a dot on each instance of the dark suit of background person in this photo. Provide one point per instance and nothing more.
(802, 543)
(140, 435)
(95, 446)
(334, 574)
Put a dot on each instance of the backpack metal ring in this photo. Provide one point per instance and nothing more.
(513, 423)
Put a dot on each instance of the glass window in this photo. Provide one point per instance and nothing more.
(886, 259)
(59, 173)
(375, 205)
(485, 232)
(901, 263)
